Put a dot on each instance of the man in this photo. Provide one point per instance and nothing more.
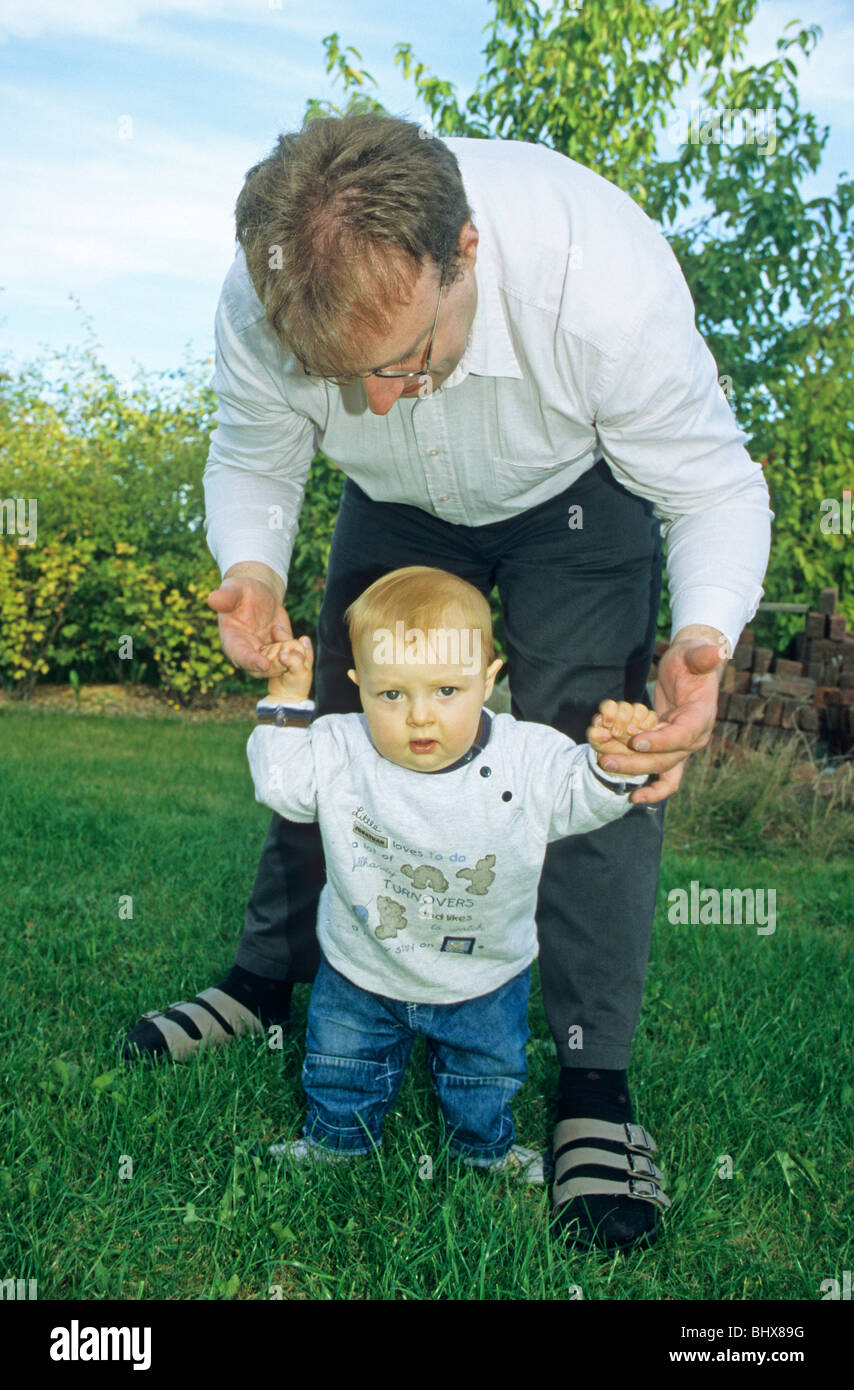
(498, 348)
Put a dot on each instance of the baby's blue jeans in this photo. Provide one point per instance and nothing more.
(358, 1045)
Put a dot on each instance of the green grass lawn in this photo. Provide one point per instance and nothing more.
(744, 1049)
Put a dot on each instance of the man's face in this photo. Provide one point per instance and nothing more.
(421, 716)
(404, 348)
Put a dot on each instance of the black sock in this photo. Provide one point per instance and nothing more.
(269, 999)
(594, 1093)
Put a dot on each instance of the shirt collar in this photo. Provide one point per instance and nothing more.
(489, 349)
(480, 742)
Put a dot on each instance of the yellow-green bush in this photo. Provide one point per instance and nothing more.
(37, 584)
(120, 549)
(172, 622)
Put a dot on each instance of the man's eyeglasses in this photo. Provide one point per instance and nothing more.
(383, 371)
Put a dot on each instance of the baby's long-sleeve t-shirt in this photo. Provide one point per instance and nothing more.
(432, 876)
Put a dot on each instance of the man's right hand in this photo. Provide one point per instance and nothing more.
(251, 616)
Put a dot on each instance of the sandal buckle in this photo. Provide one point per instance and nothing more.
(643, 1187)
(638, 1137)
(641, 1163)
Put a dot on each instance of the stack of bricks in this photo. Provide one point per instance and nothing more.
(808, 696)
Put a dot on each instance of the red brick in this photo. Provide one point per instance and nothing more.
(790, 686)
(790, 709)
(830, 672)
(814, 625)
(828, 600)
(814, 671)
(821, 649)
(762, 658)
(774, 710)
(737, 708)
(788, 668)
(728, 679)
(755, 709)
(723, 704)
(827, 695)
(836, 627)
(747, 638)
(771, 737)
(807, 719)
(741, 682)
(743, 657)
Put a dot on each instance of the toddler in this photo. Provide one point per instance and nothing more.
(435, 816)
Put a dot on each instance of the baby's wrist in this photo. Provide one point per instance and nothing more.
(285, 690)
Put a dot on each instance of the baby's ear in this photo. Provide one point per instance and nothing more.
(354, 677)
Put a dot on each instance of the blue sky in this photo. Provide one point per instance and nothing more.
(139, 230)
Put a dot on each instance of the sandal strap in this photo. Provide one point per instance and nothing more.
(633, 1136)
(644, 1189)
(639, 1165)
(215, 1015)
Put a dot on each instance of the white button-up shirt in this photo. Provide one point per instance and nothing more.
(583, 346)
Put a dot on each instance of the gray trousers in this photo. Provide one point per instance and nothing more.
(579, 606)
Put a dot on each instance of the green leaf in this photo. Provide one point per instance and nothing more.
(230, 1289)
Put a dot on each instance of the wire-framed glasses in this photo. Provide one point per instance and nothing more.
(384, 371)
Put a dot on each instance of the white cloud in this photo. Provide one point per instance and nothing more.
(155, 204)
(126, 19)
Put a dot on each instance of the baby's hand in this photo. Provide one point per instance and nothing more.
(291, 672)
(616, 722)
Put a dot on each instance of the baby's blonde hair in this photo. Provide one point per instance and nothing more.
(421, 597)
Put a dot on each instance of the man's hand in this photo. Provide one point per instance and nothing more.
(249, 605)
(686, 702)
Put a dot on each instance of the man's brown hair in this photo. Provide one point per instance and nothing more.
(336, 224)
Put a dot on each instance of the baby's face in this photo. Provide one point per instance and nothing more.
(421, 716)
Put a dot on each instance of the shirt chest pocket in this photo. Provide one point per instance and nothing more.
(531, 436)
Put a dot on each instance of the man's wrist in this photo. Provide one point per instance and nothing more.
(700, 632)
(255, 569)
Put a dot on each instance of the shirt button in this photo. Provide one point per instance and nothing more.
(433, 453)
(486, 772)
(446, 498)
(506, 796)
